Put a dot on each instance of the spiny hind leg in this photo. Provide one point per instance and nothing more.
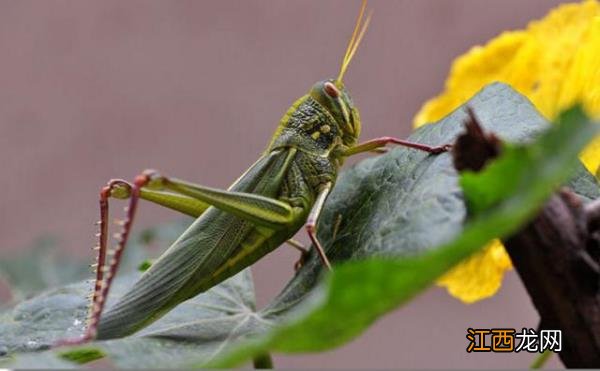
(155, 191)
(179, 195)
(105, 271)
(144, 187)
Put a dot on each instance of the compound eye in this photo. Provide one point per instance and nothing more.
(331, 90)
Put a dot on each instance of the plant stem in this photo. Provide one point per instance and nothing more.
(263, 361)
(541, 360)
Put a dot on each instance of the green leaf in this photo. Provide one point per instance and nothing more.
(208, 321)
(406, 203)
(82, 355)
(145, 265)
(46, 360)
(509, 176)
(39, 267)
(347, 302)
(201, 327)
(403, 210)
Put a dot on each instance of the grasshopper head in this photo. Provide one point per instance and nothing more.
(332, 95)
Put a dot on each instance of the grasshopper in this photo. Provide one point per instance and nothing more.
(284, 190)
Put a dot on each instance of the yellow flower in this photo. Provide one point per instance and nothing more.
(555, 62)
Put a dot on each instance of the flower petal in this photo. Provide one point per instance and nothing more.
(480, 276)
(471, 72)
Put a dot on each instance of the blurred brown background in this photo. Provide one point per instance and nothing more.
(99, 89)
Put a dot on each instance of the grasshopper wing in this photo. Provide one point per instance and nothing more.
(198, 259)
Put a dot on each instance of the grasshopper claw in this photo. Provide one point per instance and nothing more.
(304, 255)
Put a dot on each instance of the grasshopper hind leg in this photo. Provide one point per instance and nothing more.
(182, 196)
(106, 270)
(105, 267)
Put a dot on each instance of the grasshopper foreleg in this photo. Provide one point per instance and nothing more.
(378, 144)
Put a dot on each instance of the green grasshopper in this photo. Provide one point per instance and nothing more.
(284, 190)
